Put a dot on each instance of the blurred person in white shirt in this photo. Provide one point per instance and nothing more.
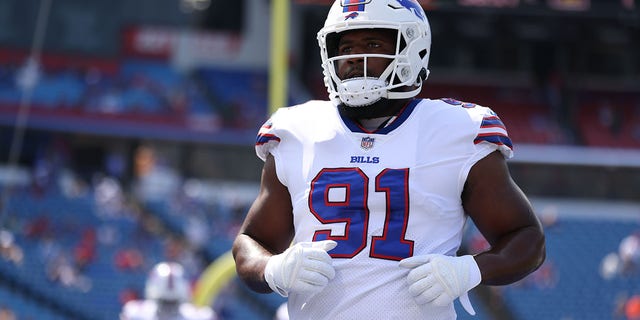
(167, 297)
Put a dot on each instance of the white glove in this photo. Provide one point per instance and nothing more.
(440, 279)
(306, 267)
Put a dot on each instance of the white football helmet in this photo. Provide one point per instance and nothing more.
(409, 64)
(167, 281)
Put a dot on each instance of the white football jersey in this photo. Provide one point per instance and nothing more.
(151, 310)
(382, 196)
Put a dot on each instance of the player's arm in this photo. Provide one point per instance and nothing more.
(261, 250)
(506, 219)
(267, 229)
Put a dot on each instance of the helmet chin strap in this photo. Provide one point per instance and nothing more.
(404, 94)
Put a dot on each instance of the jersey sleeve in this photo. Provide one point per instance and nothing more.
(492, 132)
(488, 134)
(267, 138)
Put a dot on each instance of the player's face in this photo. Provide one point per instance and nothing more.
(381, 41)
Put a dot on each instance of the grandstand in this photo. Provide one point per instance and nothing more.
(138, 143)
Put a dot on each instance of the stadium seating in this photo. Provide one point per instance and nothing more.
(52, 227)
(49, 226)
(108, 81)
(238, 98)
(609, 120)
(575, 249)
(568, 285)
(23, 307)
(528, 119)
(241, 94)
(51, 269)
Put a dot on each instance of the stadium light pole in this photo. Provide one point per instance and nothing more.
(30, 80)
(279, 65)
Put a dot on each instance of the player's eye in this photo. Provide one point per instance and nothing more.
(345, 50)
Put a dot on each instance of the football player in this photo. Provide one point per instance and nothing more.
(364, 197)
(167, 296)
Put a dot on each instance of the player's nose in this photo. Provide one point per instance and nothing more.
(357, 59)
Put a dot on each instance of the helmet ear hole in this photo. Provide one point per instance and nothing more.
(422, 76)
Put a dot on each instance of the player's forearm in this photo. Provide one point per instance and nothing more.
(251, 259)
(513, 257)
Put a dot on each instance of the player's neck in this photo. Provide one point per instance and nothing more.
(382, 109)
(374, 124)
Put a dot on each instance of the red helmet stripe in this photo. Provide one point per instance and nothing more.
(353, 5)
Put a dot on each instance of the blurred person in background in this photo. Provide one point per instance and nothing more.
(364, 198)
(154, 178)
(7, 314)
(167, 297)
(629, 253)
(632, 308)
(9, 249)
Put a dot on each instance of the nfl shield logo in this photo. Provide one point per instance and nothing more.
(367, 143)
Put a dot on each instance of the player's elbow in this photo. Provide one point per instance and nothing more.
(539, 250)
(534, 256)
(512, 260)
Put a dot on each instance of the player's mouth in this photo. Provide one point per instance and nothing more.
(354, 73)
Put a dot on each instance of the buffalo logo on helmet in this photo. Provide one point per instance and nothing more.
(351, 15)
(413, 6)
(354, 6)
